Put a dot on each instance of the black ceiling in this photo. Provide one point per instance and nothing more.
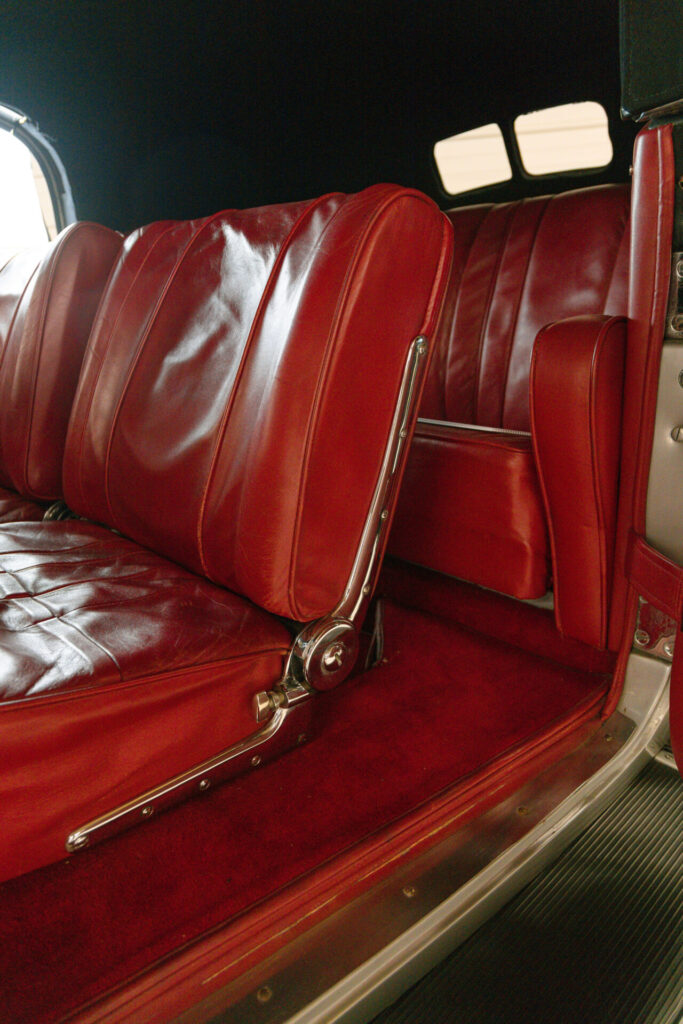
(168, 109)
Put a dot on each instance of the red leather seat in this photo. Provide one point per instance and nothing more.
(48, 299)
(472, 504)
(221, 425)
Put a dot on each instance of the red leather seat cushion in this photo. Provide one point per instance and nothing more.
(116, 664)
(15, 509)
(471, 507)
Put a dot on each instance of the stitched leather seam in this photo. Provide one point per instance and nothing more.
(371, 220)
(38, 348)
(246, 351)
(11, 328)
(85, 420)
(48, 698)
(493, 280)
(203, 225)
(655, 333)
(76, 629)
(518, 304)
(593, 421)
(315, 408)
(456, 309)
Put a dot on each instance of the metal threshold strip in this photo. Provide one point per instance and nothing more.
(354, 964)
(596, 937)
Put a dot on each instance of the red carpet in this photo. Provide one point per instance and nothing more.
(447, 702)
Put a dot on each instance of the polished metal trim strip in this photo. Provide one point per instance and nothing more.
(473, 427)
(284, 730)
(366, 564)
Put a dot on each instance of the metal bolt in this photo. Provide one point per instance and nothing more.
(677, 434)
(641, 638)
(409, 891)
(255, 761)
(385, 513)
(333, 658)
(204, 784)
(608, 737)
(523, 810)
(264, 994)
(677, 323)
(366, 588)
(147, 811)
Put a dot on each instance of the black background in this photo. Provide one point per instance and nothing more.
(168, 109)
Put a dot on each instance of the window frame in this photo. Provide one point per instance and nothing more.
(19, 124)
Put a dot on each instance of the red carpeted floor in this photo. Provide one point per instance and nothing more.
(446, 702)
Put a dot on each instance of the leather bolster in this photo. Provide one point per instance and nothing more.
(576, 388)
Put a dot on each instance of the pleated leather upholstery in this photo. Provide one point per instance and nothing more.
(47, 304)
(517, 267)
(240, 385)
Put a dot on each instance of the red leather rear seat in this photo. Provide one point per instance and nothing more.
(48, 299)
(223, 423)
(472, 505)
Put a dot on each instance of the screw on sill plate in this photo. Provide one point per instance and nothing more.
(409, 891)
(523, 810)
(264, 994)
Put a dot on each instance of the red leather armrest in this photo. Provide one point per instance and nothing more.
(576, 387)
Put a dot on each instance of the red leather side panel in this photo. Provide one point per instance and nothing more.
(242, 432)
(43, 354)
(652, 225)
(576, 391)
(119, 670)
(471, 507)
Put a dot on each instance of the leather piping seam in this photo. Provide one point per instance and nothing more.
(371, 221)
(520, 295)
(104, 345)
(490, 292)
(104, 232)
(203, 224)
(656, 321)
(8, 336)
(456, 309)
(49, 698)
(246, 351)
(593, 421)
(55, 257)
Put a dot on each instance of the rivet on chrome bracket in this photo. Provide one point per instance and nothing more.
(641, 638)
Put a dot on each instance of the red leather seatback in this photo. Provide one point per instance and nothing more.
(517, 267)
(43, 350)
(241, 381)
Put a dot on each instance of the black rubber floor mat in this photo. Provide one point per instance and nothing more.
(596, 938)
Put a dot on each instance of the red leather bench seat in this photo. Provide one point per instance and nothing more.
(222, 426)
(48, 299)
(471, 504)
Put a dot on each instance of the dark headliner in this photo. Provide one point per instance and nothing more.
(165, 109)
